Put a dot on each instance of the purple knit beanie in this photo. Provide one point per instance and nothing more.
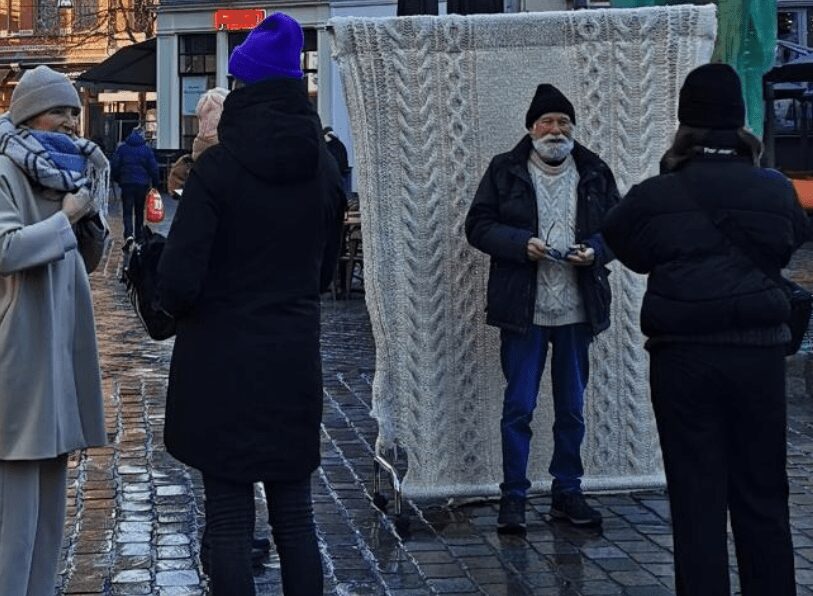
(272, 49)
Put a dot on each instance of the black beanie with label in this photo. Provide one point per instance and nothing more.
(711, 97)
(548, 99)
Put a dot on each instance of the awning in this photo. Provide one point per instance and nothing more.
(131, 68)
(796, 71)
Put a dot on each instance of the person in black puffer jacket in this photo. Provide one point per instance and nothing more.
(253, 243)
(717, 333)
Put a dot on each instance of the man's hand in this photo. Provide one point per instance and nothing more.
(536, 249)
(581, 255)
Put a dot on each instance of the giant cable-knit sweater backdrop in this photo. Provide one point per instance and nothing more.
(431, 100)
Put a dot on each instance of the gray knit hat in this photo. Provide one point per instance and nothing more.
(38, 91)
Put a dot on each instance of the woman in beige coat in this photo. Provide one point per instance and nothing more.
(50, 386)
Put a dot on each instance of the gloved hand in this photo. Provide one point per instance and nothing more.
(76, 205)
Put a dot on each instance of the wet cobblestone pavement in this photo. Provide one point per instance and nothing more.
(135, 514)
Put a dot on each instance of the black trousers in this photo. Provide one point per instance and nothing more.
(230, 529)
(133, 198)
(721, 415)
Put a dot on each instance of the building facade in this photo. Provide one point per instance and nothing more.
(193, 53)
(70, 36)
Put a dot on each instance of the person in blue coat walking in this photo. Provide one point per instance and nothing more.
(134, 169)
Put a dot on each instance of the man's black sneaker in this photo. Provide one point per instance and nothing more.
(511, 519)
(574, 508)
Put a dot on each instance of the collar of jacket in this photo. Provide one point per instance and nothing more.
(711, 156)
(270, 90)
(705, 158)
(588, 163)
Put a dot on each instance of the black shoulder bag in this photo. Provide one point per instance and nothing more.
(801, 301)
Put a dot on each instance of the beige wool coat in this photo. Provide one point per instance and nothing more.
(50, 386)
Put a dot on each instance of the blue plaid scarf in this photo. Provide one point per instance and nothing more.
(57, 161)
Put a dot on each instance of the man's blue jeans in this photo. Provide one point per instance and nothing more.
(523, 362)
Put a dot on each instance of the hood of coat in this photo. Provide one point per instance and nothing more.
(135, 139)
(272, 129)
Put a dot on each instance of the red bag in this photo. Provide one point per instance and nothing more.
(154, 207)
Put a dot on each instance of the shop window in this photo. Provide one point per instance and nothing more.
(235, 39)
(4, 17)
(789, 26)
(85, 14)
(197, 65)
(788, 116)
(809, 40)
(47, 16)
(10, 16)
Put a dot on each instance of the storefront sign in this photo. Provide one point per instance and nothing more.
(238, 19)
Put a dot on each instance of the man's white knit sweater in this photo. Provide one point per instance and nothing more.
(558, 299)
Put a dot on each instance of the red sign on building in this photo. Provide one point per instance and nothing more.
(238, 19)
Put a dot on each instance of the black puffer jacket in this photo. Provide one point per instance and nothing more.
(699, 284)
(253, 242)
(503, 217)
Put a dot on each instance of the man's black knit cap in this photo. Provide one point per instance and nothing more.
(546, 100)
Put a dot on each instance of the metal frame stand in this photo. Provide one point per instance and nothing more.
(402, 520)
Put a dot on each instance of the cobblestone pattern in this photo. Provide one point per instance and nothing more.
(135, 514)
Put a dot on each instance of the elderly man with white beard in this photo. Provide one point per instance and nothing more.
(537, 214)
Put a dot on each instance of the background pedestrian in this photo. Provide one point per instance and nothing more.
(339, 153)
(134, 169)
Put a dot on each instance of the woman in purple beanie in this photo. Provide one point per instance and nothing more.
(253, 244)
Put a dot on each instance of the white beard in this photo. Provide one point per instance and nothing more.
(551, 150)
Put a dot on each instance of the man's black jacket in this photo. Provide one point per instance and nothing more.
(699, 284)
(503, 217)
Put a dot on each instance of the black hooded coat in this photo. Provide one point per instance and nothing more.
(253, 243)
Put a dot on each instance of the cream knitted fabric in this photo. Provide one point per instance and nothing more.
(431, 100)
(558, 299)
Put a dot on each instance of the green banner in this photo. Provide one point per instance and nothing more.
(746, 39)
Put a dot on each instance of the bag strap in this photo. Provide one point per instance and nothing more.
(732, 232)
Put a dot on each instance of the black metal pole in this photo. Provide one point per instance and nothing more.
(805, 130)
(769, 136)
